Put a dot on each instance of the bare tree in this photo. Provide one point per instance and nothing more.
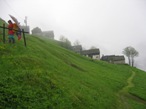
(130, 52)
(76, 43)
(65, 42)
(126, 52)
(62, 38)
(93, 47)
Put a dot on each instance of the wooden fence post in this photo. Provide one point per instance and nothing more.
(4, 35)
(4, 40)
(24, 37)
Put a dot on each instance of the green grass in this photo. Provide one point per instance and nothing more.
(139, 82)
(1, 30)
(44, 75)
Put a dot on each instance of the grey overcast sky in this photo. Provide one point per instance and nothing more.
(110, 25)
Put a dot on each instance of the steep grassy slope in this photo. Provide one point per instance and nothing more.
(45, 76)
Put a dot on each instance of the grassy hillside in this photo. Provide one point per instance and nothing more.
(44, 75)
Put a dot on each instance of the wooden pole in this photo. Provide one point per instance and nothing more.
(4, 28)
(4, 40)
(24, 37)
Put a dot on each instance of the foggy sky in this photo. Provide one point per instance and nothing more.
(110, 25)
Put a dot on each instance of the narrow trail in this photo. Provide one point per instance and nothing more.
(124, 94)
(124, 91)
(130, 84)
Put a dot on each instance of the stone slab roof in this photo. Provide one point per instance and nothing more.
(112, 57)
(91, 52)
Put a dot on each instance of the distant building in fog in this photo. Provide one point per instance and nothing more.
(26, 29)
(49, 34)
(77, 48)
(92, 53)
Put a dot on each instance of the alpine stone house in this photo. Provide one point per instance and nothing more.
(77, 48)
(92, 53)
(114, 59)
(48, 34)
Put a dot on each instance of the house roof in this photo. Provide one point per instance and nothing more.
(48, 34)
(112, 57)
(91, 52)
(77, 48)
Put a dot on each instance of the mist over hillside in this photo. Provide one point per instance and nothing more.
(106, 24)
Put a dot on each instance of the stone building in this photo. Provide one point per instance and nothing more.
(48, 34)
(114, 59)
(77, 48)
(92, 53)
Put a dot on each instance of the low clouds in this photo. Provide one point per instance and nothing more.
(110, 25)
